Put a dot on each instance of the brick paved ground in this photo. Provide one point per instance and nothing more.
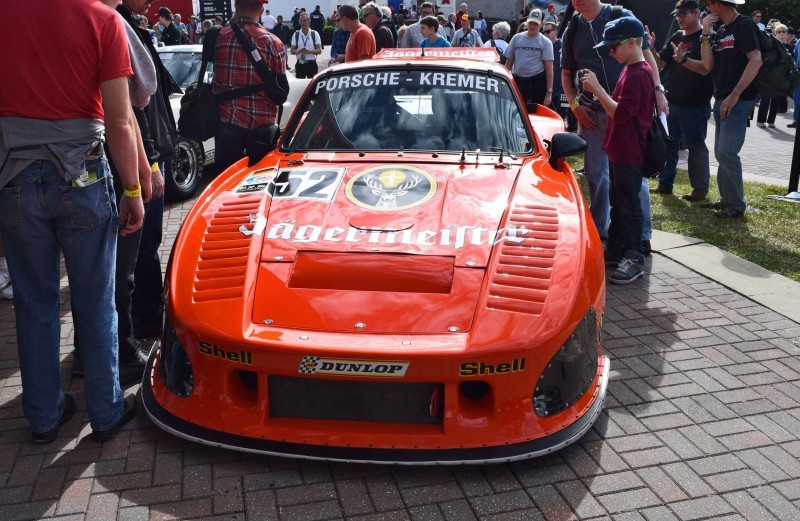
(702, 421)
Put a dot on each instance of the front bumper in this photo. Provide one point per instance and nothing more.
(404, 456)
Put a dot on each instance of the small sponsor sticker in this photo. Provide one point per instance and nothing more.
(256, 182)
(343, 367)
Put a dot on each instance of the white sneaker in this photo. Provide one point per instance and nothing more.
(8, 293)
(5, 278)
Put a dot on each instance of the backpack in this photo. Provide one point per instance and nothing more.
(199, 114)
(572, 25)
(502, 56)
(778, 75)
(313, 37)
(654, 144)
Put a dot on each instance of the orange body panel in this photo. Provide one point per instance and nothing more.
(483, 280)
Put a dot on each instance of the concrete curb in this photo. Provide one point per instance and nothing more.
(771, 290)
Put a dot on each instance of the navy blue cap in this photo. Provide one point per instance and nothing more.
(621, 29)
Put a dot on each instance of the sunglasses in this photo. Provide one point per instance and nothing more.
(548, 31)
(780, 32)
(613, 46)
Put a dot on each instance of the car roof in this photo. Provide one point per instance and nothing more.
(480, 54)
(181, 48)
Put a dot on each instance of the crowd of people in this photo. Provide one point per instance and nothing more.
(81, 165)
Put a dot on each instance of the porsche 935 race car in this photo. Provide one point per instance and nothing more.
(411, 276)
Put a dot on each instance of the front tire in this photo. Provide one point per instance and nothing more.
(183, 173)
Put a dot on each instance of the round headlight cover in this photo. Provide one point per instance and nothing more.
(570, 372)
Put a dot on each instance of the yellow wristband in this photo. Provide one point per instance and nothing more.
(575, 103)
(133, 191)
(154, 168)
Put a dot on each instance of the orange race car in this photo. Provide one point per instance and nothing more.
(410, 276)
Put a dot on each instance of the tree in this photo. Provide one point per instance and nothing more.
(783, 10)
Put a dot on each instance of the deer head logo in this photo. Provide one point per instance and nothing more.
(390, 185)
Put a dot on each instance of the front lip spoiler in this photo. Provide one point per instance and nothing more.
(496, 454)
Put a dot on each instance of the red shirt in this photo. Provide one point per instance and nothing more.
(634, 97)
(233, 69)
(54, 70)
(360, 44)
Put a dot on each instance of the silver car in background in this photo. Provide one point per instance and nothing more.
(182, 176)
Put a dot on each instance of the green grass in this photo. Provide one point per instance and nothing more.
(769, 234)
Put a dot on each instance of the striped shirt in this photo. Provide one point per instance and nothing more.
(233, 69)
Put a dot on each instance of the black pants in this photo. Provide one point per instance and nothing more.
(532, 88)
(306, 70)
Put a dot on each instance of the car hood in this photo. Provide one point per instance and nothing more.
(410, 208)
(377, 247)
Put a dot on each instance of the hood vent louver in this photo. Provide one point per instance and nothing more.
(224, 251)
(522, 279)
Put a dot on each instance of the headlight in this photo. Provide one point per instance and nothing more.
(570, 372)
(174, 366)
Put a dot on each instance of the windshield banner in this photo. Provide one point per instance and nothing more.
(414, 80)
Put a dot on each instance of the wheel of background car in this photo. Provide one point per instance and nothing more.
(182, 176)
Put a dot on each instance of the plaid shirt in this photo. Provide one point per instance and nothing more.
(233, 69)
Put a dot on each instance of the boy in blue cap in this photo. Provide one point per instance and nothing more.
(630, 114)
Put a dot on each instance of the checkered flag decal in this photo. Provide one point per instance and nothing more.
(308, 365)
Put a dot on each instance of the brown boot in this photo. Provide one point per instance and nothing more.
(696, 196)
(661, 189)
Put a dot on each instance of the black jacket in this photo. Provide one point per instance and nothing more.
(156, 122)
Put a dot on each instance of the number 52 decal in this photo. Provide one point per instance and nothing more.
(314, 184)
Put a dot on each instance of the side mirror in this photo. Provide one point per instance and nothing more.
(263, 142)
(564, 145)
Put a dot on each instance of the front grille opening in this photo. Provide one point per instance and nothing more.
(474, 390)
(323, 399)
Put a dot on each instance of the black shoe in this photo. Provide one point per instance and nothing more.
(67, 412)
(716, 205)
(629, 269)
(661, 189)
(696, 196)
(729, 213)
(128, 413)
(131, 371)
(646, 249)
(792, 125)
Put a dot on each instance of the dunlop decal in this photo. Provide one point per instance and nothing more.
(342, 367)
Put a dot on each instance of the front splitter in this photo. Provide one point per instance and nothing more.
(495, 454)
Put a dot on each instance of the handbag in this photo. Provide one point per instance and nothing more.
(654, 144)
(198, 118)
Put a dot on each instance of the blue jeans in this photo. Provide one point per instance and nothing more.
(647, 213)
(688, 124)
(625, 230)
(730, 134)
(595, 164)
(796, 98)
(41, 213)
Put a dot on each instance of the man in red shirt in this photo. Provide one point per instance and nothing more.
(361, 45)
(57, 196)
(241, 116)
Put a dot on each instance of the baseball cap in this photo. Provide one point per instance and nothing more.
(683, 6)
(164, 12)
(551, 6)
(535, 16)
(621, 29)
(465, 17)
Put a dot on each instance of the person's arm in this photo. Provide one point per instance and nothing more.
(749, 74)
(590, 84)
(318, 47)
(696, 66)
(146, 175)
(121, 137)
(706, 53)
(548, 73)
(661, 98)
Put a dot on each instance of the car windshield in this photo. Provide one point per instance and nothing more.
(184, 66)
(410, 110)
